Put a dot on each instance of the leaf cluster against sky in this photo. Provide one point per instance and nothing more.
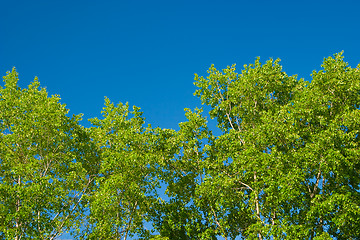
(285, 164)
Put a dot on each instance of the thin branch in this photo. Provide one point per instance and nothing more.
(317, 182)
(273, 218)
(247, 186)
(257, 207)
(57, 232)
(217, 223)
(130, 220)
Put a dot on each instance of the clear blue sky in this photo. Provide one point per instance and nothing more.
(146, 52)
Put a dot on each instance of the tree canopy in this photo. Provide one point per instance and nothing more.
(286, 164)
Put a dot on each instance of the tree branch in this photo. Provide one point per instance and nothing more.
(217, 223)
(58, 230)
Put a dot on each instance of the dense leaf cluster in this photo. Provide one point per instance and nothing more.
(285, 166)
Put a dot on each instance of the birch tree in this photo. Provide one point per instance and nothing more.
(42, 176)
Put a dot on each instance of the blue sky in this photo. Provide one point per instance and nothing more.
(146, 52)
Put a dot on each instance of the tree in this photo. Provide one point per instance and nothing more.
(126, 183)
(286, 164)
(289, 151)
(184, 215)
(42, 151)
(245, 162)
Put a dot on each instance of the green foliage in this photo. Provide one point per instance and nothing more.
(126, 180)
(42, 177)
(289, 149)
(285, 166)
